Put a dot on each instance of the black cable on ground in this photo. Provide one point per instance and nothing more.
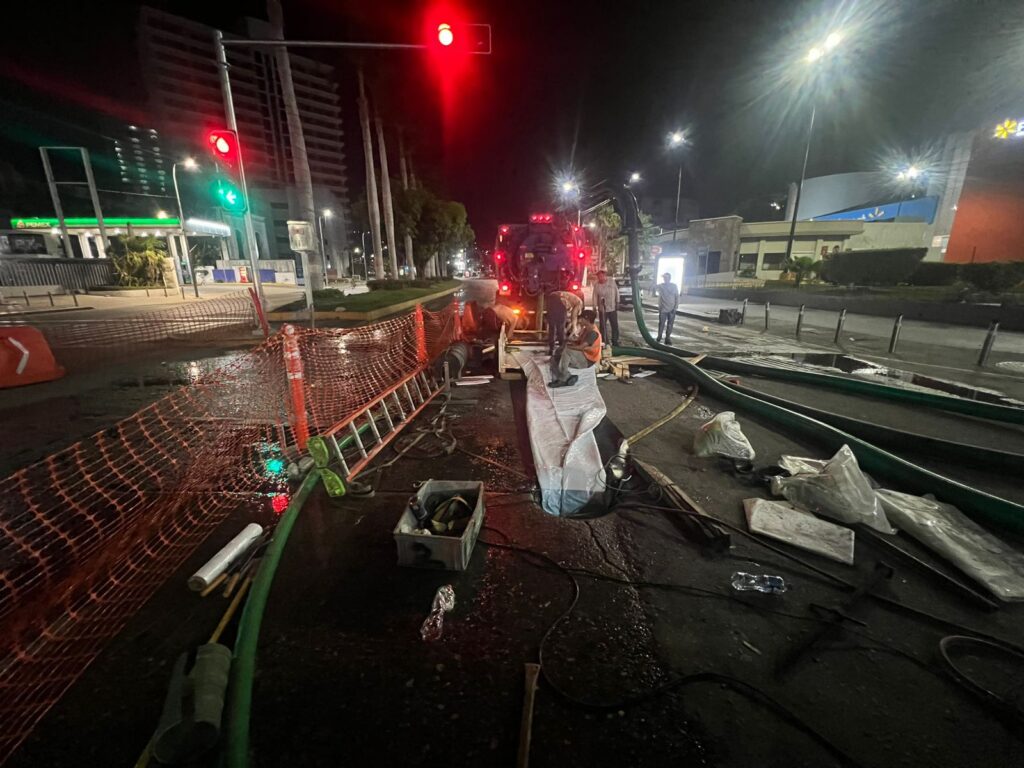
(735, 684)
(889, 602)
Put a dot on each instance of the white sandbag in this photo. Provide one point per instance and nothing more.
(220, 562)
(722, 436)
(781, 521)
(561, 423)
(950, 533)
(840, 491)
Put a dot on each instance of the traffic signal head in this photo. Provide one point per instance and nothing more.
(445, 36)
(224, 146)
(229, 196)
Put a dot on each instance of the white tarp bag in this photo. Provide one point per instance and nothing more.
(799, 465)
(722, 436)
(840, 491)
(949, 532)
(781, 521)
(561, 423)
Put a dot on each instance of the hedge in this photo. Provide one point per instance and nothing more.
(989, 276)
(394, 285)
(876, 267)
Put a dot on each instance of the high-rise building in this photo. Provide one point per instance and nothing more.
(140, 161)
(184, 97)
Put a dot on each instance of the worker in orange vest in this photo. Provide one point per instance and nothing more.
(582, 352)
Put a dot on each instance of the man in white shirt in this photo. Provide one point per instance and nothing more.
(606, 299)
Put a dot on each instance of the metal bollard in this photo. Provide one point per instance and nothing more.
(990, 339)
(800, 320)
(25, 294)
(743, 312)
(50, 297)
(74, 297)
(182, 292)
(894, 339)
(767, 314)
(147, 293)
(165, 291)
(839, 326)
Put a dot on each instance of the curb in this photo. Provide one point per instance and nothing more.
(373, 314)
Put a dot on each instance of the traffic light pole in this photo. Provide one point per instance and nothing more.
(232, 124)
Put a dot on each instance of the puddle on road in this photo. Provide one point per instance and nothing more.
(897, 377)
(177, 373)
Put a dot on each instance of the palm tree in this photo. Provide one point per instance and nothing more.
(802, 267)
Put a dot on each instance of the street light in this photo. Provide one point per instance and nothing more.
(189, 164)
(814, 56)
(570, 190)
(677, 139)
(634, 177)
(326, 213)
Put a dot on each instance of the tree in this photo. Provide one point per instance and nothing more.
(443, 228)
(138, 260)
(613, 242)
(802, 267)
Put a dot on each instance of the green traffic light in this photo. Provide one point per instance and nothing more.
(229, 196)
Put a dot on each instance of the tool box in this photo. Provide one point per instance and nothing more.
(432, 550)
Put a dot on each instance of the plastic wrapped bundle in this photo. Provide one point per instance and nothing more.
(840, 491)
(722, 436)
(948, 532)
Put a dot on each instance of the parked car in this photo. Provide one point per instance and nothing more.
(626, 287)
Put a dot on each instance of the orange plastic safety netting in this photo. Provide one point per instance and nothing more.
(88, 534)
(83, 341)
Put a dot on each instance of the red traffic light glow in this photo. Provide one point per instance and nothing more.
(445, 36)
(499, 255)
(224, 145)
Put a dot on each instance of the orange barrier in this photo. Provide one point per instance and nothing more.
(25, 357)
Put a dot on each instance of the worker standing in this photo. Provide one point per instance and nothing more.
(606, 298)
(563, 314)
(668, 300)
(582, 352)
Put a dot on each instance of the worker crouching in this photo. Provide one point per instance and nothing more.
(580, 353)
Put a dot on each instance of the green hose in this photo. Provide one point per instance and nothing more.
(243, 665)
(1004, 413)
(981, 506)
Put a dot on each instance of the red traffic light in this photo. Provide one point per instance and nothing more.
(224, 146)
(445, 35)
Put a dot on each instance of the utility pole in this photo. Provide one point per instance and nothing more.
(232, 123)
(300, 160)
(405, 186)
(385, 189)
(371, 181)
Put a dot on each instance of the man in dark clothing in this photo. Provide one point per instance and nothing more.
(556, 321)
(668, 300)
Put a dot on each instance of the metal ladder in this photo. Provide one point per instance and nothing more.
(373, 426)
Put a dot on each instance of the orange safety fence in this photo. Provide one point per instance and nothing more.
(81, 341)
(88, 534)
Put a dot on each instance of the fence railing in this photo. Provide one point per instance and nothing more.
(73, 274)
(88, 534)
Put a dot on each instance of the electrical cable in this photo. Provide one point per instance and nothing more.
(736, 685)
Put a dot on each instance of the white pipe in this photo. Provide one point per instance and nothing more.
(219, 563)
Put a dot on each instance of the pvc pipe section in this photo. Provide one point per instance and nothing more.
(909, 477)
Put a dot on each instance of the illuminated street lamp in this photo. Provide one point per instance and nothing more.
(1009, 129)
(634, 177)
(815, 56)
(189, 164)
(326, 213)
(570, 192)
(676, 139)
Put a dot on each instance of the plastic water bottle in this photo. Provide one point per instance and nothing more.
(749, 582)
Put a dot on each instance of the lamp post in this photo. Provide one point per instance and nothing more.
(570, 189)
(814, 56)
(634, 177)
(326, 213)
(189, 164)
(676, 139)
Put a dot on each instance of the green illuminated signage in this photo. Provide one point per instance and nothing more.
(89, 223)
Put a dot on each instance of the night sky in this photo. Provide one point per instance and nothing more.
(573, 85)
